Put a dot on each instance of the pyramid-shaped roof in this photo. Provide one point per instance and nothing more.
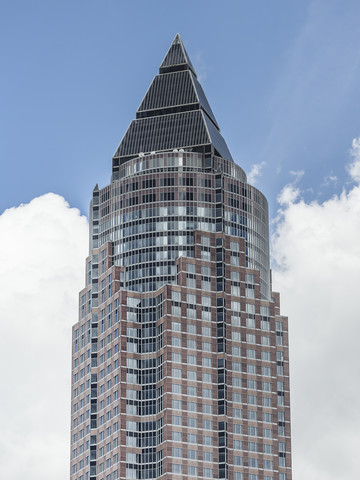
(174, 90)
(174, 113)
(176, 57)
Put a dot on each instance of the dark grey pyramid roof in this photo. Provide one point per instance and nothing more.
(174, 113)
(173, 90)
(165, 132)
(176, 57)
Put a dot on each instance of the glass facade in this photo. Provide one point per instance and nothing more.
(180, 354)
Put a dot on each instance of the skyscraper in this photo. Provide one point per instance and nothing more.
(180, 355)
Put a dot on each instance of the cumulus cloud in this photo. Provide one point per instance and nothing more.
(255, 172)
(316, 253)
(43, 246)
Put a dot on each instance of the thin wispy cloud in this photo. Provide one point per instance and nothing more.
(200, 65)
(354, 166)
(298, 174)
(329, 180)
(255, 172)
(290, 193)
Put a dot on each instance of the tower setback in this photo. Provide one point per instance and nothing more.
(180, 363)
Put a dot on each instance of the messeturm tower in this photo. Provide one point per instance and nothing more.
(180, 355)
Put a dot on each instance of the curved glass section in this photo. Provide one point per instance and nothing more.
(150, 214)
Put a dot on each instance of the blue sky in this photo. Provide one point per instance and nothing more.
(282, 78)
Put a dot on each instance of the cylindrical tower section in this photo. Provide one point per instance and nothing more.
(150, 214)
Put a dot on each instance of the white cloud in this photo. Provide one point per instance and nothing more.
(354, 167)
(329, 179)
(288, 195)
(316, 251)
(298, 174)
(255, 172)
(43, 246)
(290, 192)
